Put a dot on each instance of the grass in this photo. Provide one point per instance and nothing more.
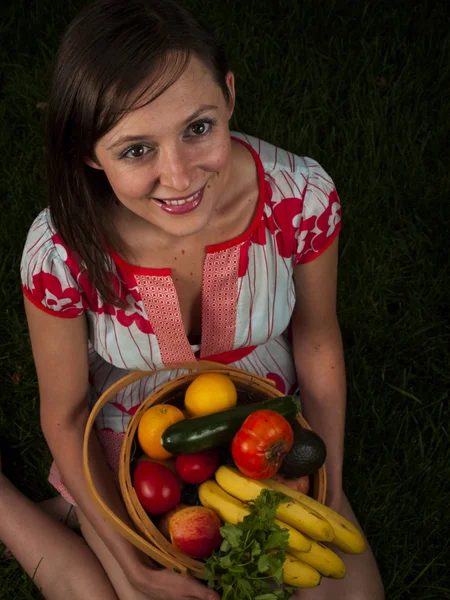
(363, 88)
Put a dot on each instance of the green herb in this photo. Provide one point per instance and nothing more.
(250, 559)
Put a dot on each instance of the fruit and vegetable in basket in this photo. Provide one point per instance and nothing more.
(157, 488)
(261, 443)
(194, 530)
(197, 467)
(151, 427)
(218, 429)
(260, 497)
(318, 521)
(300, 568)
(307, 454)
(210, 393)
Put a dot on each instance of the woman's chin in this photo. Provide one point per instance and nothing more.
(179, 226)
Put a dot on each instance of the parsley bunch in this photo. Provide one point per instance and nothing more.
(252, 554)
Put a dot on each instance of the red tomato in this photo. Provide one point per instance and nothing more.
(197, 467)
(261, 443)
(156, 487)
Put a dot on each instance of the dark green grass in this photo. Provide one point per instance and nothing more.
(363, 88)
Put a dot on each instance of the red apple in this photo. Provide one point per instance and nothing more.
(195, 531)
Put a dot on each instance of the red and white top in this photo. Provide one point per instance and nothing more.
(247, 293)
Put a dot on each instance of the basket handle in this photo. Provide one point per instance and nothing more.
(111, 516)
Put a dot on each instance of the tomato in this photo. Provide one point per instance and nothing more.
(259, 446)
(197, 467)
(156, 487)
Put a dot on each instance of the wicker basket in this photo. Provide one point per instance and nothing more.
(147, 537)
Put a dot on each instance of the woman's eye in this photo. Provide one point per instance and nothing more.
(201, 128)
(136, 152)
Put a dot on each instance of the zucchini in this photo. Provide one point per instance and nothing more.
(217, 429)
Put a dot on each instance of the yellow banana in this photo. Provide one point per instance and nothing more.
(293, 513)
(323, 560)
(233, 511)
(299, 574)
(347, 537)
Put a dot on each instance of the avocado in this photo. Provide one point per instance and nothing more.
(307, 455)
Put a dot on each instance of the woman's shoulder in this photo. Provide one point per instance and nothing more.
(304, 210)
(43, 244)
(49, 271)
(289, 173)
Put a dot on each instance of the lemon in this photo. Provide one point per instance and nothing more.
(210, 393)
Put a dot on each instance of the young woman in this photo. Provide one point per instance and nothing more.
(167, 239)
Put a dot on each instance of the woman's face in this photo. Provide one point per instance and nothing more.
(168, 162)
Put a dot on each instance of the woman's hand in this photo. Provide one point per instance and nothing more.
(164, 584)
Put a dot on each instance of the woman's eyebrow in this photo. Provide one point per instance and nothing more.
(203, 108)
(136, 138)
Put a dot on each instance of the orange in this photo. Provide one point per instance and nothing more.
(152, 425)
(210, 393)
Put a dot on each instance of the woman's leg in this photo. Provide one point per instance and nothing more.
(59, 561)
(363, 580)
(58, 508)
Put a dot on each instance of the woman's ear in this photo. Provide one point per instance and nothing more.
(231, 92)
(92, 162)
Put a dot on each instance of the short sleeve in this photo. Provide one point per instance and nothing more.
(321, 215)
(47, 279)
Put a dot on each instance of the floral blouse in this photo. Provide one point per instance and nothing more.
(248, 293)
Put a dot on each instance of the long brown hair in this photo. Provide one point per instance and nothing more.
(111, 49)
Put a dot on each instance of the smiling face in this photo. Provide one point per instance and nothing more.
(169, 161)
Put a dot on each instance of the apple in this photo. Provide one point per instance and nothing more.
(195, 531)
(164, 521)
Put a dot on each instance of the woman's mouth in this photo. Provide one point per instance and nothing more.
(181, 206)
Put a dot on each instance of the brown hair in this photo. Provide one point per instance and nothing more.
(109, 50)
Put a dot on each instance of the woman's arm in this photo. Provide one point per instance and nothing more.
(60, 349)
(319, 360)
(61, 357)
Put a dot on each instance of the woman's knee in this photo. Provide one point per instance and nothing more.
(112, 569)
(86, 578)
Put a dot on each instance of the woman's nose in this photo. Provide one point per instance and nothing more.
(175, 171)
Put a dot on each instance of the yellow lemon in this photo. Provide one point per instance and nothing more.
(210, 393)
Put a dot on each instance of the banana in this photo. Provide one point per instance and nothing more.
(347, 537)
(323, 560)
(299, 574)
(233, 511)
(294, 513)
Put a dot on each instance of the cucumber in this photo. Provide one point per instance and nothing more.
(217, 429)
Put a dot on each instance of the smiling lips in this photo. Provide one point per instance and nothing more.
(182, 205)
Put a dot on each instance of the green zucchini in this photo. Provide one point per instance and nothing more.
(217, 429)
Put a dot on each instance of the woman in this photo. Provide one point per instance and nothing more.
(167, 240)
